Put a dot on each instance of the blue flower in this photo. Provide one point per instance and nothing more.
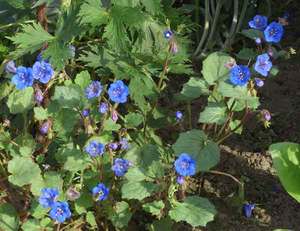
(259, 82)
(60, 211)
(185, 165)
(180, 180)
(93, 90)
(85, 112)
(259, 22)
(42, 71)
(103, 108)
(274, 32)
(113, 146)
(120, 166)
(23, 78)
(48, 197)
(10, 67)
(240, 75)
(45, 127)
(263, 64)
(179, 115)
(247, 209)
(100, 192)
(38, 96)
(124, 144)
(168, 34)
(95, 149)
(118, 92)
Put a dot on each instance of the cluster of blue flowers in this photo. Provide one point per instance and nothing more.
(24, 76)
(185, 166)
(118, 93)
(120, 167)
(59, 210)
(240, 74)
(94, 148)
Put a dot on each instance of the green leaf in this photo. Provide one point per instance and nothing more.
(274, 71)
(252, 33)
(72, 159)
(155, 207)
(84, 202)
(90, 218)
(26, 144)
(233, 125)
(134, 119)
(190, 142)
(213, 113)
(122, 215)
(9, 220)
(165, 224)
(110, 125)
(237, 92)
(19, 4)
(58, 54)
(152, 6)
(68, 96)
(93, 14)
(214, 67)
(196, 211)
(246, 54)
(5, 89)
(31, 225)
(147, 163)
(136, 174)
(83, 79)
(23, 171)
(64, 121)
(53, 179)
(209, 156)
(137, 190)
(20, 101)
(40, 113)
(195, 143)
(193, 89)
(32, 38)
(286, 159)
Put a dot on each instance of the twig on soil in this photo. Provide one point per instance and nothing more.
(226, 174)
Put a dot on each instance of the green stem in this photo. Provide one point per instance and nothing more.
(214, 25)
(236, 128)
(228, 41)
(197, 18)
(241, 19)
(205, 32)
(189, 110)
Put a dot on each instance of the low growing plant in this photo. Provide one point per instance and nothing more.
(83, 107)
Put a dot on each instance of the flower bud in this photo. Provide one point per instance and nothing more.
(72, 193)
(11, 67)
(114, 115)
(259, 82)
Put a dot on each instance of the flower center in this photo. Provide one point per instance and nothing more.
(59, 212)
(272, 32)
(184, 165)
(117, 91)
(241, 75)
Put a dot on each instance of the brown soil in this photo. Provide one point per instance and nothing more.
(246, 157)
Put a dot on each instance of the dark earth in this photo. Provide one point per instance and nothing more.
(246, 156)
